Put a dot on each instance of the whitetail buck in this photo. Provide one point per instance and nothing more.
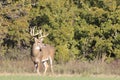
(41, 53)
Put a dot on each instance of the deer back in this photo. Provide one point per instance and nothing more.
(47, 51)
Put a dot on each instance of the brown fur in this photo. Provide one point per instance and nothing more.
(40, 55)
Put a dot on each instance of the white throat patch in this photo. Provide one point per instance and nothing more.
(37, 47)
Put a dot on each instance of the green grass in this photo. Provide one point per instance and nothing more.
(36, 77)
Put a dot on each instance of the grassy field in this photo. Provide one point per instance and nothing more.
(24, 70)
(57, 77)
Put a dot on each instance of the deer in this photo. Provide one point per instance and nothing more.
(41, 53)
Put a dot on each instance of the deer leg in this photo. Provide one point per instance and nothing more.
(45, 66)
(37, 67)
(51, 65)
(38, 71)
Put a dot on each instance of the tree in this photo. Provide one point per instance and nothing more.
(79, 29)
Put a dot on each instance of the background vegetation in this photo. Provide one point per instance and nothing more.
(82, 30)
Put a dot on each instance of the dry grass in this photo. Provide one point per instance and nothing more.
(14, 66)
(88, 68)
(72, 67)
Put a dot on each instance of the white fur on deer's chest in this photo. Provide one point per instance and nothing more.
(37, 60)
(37, 47)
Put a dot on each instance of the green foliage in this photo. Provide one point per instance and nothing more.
(79, 29)
(62, 54)
(14, 25)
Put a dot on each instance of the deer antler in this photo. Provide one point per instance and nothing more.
(42, 35)
(32, 32)
(39, 32)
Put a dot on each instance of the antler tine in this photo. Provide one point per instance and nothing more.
(32, 32)
(43, 35)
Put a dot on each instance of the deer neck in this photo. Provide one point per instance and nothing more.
(37, 46)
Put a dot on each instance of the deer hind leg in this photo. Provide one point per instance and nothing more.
(51, 65)
(45, 66)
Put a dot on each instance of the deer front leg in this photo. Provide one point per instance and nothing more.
(38, 71)
(37, 64)
(35, 69)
